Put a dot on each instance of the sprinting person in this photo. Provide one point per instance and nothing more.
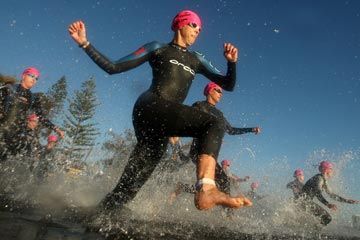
(213, 93)
(252, 194)
(159, 113)
(297, 185)
(225, 165)
(223, 176)
(17, 102)
(314, 188)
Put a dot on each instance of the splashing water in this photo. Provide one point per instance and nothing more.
(273, 215)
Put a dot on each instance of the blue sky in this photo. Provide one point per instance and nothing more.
(298, 71)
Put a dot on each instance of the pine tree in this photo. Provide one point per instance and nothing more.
(57, 95)
(79, 123)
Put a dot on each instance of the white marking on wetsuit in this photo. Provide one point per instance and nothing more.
(186, 68)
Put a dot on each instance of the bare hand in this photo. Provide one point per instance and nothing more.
(256, 130)
(77, 31)
(332, 207)
(230, 52)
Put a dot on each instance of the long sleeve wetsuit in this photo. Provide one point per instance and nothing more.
(313, 188)
(159, 113)
(205, 106)
(296, 186)
(222, 179)
(16, 104)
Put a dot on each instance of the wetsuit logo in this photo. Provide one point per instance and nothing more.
(186, 68)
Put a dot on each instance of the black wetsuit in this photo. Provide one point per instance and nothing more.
(313, 188)
(222, 179)
(296, 186)
(205, 106)
(16, 104)
(159, 113)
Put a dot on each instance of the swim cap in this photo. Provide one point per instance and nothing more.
(225, 162)
(52, 138)
(210, 86)
(298, 172)
(254, 185)
(184, 18)
(32, 117)
(325, 165)
(31, 70)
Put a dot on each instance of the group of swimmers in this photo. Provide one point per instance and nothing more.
(21, 118)
(304, 194)
(159, 115)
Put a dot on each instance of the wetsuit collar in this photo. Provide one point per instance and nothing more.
(184, 49)
(213, 105)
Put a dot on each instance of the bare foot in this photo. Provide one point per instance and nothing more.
(209, 196)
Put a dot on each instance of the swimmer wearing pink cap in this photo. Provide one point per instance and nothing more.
(315, 187)
(159, 113)
(297, 184)
(29, 77)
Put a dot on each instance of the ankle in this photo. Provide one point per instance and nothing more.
(205, 184)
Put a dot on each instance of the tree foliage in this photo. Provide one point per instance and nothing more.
(79, 123)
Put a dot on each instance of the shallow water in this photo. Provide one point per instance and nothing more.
(150, 215)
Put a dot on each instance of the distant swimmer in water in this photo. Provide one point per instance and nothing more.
(159, 113)
(314, 187)
(252, 194)
(297, 185)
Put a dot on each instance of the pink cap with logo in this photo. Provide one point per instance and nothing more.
(31, 70)
(210, 86)
(184, 18)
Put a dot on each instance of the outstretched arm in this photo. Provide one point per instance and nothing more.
(337, 197)
(238, 131)
(77, 31)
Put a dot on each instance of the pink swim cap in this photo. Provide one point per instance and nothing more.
(52, 138)
(254, 185)
(325, 165)
(184, 18)
(298, 172)
(210, 86)
(32, 117)
(225, 162)
(31, 70)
